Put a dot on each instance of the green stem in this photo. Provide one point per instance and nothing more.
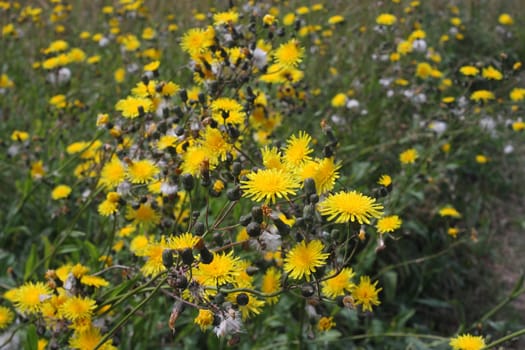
(128, 316)
(417, 260)
(505, 338)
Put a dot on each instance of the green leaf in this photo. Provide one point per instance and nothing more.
(31, 338)
(30, 262)
(390, 285)
(434, 303)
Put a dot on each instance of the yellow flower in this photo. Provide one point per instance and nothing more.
(289, 54)
(268, 185)
(386, 19)
(423, 70)
(30, 297)
(289, 19)
(142, 171)
(491, 73)
(227, 110)
(449, 211)
(352, 206)
(336, 19)
(271, 283)
(482, 95)
(93, 281)
(77, 308)
(385, 180)
(132, 107)
(148, 33)
(88, 339)
(253, 307)
(216, 143)
(222, 269)
(505, 19)
(481, 159)
(467, 342)
(197, 40)
(6, 317)
(19, 136)
(518, 126)
(226, 17)
(5, 82)
(113, 173)
(366, 294)
(196, 158)
(144, 215)
(388, 224)
(303, 259)
(340, 284)
(58, 101)
(60, 192)
(325, 323)
(517, 94)
(183, 241)
(204, 319)
(152, 66)
(469, 71)
(297, 150)
(409, 156)
(339, 100)
(453, 231)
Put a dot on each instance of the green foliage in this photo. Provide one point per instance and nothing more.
(204, 99)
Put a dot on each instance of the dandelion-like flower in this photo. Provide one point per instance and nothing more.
(6, 317)
(304, 259)
(29, 297)
(204, 319)
(340, 284)
(60, 192)
(297, 150)
(142, 171)
(113, 173)
(271, 283)
(388, 224)
(289, 54)
(77, 308)
(449, 211)
(482, 95)
(467, 342)
(409, 156)
(132, 107)
(223, 269)
(352, 206)
(268, 185)
(325, 323)
(366, 293)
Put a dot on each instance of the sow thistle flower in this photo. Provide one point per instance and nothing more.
(133, 107)
(29, 298)
(297, 149)
(6, 317)
(467, 342)
(409, 156)
(340, 284)
(142, 171)
(204, 319)
(77, 308)
(449, 211)
(343, 207)
(271, 283)
(222, 269)
(366, 294)
(289, 54)
(325, 323)
(482, 95)
(388, 224)
(113, 173)
(268, 185)
(303, 259)
(386, 19)
(60, 192)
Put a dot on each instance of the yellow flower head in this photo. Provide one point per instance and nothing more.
(505, 19)
(385, 180)
(449, 211)
(6, 317)
(271, 283)
(60, 192)
(132, 107)
(222, 269)
(482, 95)
(388, 224)
(142, 171)
(386, 19)
(30, 297)
(366, 293)
(352, 206)
(325, 323)
(204, 319)
(303, 259)
(340, 284)
(289, 54)
(113, 173)
(469, 71)
(491, 73)
(77, 308)
(268, 185)
(297, 149)
(409, 156)
(467, 342)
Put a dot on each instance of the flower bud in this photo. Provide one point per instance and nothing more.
(188, 182)
(242, 299)
(253, 229)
